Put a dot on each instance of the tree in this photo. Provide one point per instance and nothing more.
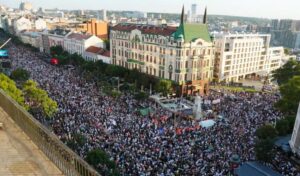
(266, 131)
(77, 141)
(100, 160)
(286, 72)
(141, 95)
(164, 86)
(282, 127)
(38, 99)
(56, 50)
(290, 96)
(264, 150)
(9, 87)
(291, 120)
(287, 51)
(20, 75)
(107, 44)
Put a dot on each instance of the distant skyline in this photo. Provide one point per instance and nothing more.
(287, 9)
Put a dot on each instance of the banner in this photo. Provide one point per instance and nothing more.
(216, 101)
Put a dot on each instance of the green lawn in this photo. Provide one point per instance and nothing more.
(235, 89)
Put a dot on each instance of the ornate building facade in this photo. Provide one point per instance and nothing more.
(183, 54)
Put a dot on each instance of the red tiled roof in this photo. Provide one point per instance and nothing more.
(106, 53)
(93, 49)
(146, 29)
(103, 37)
(77, 36)
(97, 50)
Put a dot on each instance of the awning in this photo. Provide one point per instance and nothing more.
(207, 123)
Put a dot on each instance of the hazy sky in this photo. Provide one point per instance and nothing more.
(254, 8)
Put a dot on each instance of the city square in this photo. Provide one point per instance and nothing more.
(151, 98)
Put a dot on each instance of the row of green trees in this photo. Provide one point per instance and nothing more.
(102, 71)
(288, 78)
(266, 136)
(27, 93)
(39, 100)
(10, 88)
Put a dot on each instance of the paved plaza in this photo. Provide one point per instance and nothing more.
(19, 155)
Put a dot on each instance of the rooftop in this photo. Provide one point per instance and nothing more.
(97, 50)
(19, 155)
(255, 168)
(191, 32)
(77, 36)
(61, 32)
(145, 29)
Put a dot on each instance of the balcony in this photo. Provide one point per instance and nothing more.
(184, 70)
(135, 61)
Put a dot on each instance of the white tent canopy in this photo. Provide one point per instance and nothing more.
(207, 123)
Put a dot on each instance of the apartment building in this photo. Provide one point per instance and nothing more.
(244, 55)
(94, 27)
(94, 54)
(21, 24)
(53, 38)
(184, 54)
(78, 43)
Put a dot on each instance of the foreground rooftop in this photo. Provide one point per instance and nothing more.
(19, 155)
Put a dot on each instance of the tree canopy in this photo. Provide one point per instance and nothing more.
(286, 72)
(264, 150)
(38, 99)
(9, 87)
(266, 131)
(290, 96)
(56, 50)
(164, 86)
(100, 160)
(20, 74)
(264, 144)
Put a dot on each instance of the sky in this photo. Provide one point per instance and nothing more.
(281, 9)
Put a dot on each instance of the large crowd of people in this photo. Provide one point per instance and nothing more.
(152, 144)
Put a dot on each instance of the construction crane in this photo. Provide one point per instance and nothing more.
(5, 43)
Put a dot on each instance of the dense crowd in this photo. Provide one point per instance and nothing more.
(151, 145)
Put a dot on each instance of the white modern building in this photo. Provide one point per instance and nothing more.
(22, 24)
(244, 55)
(295, 140)
(78, 43)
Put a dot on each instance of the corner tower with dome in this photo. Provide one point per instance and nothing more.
(184, 54)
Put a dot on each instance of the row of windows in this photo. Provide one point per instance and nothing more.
(242, 50)
(168, 75)
(74, 48)
(150, 38)
(232, 67)
(242, 61)
(241, 71)
(236, 56)
(171, 52)
(247, 44)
